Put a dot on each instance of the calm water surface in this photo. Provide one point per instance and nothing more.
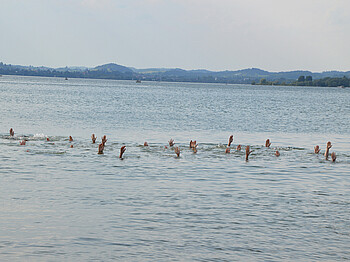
(60, 203)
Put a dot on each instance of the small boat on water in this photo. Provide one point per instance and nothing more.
(138, 81)
(66, 78)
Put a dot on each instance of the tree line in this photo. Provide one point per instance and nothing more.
(308, 81)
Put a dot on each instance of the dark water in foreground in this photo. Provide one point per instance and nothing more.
(61, 203)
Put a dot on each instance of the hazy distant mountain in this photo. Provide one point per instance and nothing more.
(200, 71)
(176, 72)
(149, 70)
(115, 71)
(291, 74)
(72, 68)
(252, 72)
(114, 68)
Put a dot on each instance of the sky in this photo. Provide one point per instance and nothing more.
(274, 35)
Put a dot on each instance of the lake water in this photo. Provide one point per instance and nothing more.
(60, 203)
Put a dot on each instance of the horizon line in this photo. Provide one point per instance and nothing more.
(172, 68)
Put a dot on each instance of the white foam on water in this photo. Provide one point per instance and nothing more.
(39, 136)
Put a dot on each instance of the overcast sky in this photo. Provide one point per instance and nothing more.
(274, 35)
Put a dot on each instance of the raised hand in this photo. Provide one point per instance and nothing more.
(101, 147)
(334, 157)
(239, 147)
(171, 142)
(329, 145)
(195, 148)
(317, 149)
(122, 150)
(104, 140)
(12, 132)
(177, 151)
(247, 152)
(267, 143)
(193, 144)
(93, 138)
(230, 140)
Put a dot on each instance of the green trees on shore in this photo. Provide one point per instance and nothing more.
(308, 81)
(333, 81)
(264, 82)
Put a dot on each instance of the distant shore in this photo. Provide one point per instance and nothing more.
(253, 76)
(308, 81)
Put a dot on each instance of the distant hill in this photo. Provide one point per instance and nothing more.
(115, 71)
(72, 68)
(149, 70)
(114, 68)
